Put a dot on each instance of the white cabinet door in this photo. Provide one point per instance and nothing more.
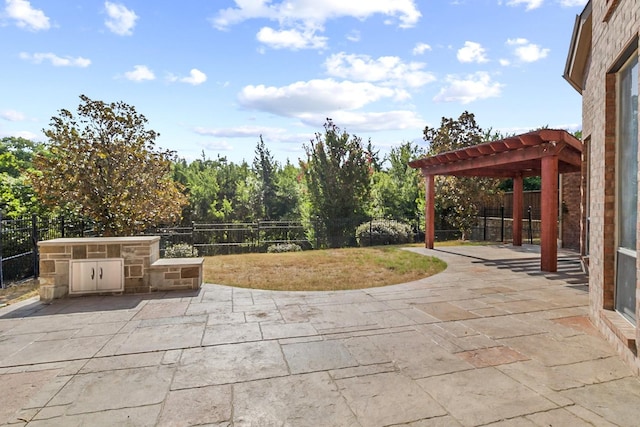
(83, 276)
(90, 275)
(109, 274)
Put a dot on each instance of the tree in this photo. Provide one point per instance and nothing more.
(458, 199)
(398, 192)
(265, 167)
(17, 197)
(337, 176)
(103, 164)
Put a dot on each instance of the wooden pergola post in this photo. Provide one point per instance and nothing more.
(518, 190)
(549, 215)
(429, 211)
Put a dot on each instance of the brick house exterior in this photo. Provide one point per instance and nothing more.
(602, 65)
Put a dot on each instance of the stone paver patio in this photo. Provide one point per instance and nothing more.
(490, 341)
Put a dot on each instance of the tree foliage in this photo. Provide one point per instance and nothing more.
(17, 197)
(458, 199)
(398, 192)
(337, 175)
(103, 163)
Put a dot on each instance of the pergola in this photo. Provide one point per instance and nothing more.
(544, 153)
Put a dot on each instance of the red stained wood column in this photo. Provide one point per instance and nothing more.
(549, 216)
(429, 212)
(518, 189)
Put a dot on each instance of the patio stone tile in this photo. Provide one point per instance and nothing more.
(14, 343)
(361, 371)
(526, 306)
(589, 416)
(298, 400)
(446, 421)
(229, 363)
(231, 333)
(617, 401)
(95, 329)
(197, 406)
(164, 337)
(445, 311)
(127, 361)
(317, 356)
(481, 396)
(474, 342)
(337, 316)
(139, 416)
(493, 356)
(418, 356)
(553, 351)
(219, 318)
(504, 327)
(558, 417)
(124, 388)
(418, 316)
(20, 388)
(272, 331)
(578, 323)
(388, 398)
(58, 350)
(162, 309)
(364, 350)
(207, 307)
(262, 315)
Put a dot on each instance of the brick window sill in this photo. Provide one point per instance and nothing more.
(622, 329)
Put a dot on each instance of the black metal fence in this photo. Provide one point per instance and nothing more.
(19, 237)
(19, 243)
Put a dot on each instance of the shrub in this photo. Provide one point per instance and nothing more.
(180, 250)
(283, 247)
(383, 232)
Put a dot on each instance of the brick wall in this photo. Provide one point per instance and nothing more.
(609, 41)
(570, 206)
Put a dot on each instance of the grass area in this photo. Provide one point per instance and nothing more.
(321, 270)
(18, 292)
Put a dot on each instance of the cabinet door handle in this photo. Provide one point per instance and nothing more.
(100, 272)
(93, 273)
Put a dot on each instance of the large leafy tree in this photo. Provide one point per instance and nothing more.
(17, 197)
(103, 163)
(337, 176)
(458, 199)
(398, 192)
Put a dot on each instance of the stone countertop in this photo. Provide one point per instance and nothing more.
(98, 240)
(178, 262)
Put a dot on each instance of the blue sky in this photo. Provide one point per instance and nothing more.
(214, 75)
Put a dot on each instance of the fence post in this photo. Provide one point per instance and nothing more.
(484, 237)
(34, 241)
(502, 223)
(530, 229)
(371, 233)
(1, 274)
(62, 226)
(193, 247)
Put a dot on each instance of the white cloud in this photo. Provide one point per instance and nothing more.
(291, 39)
(195, 78)
(527, 51)
(12, 115)
(315, 96)
(390, 70)
(530, 4)
(140, 73)
(468, 89)
(353, 36)
(313, 13)
(218, 146)
(472, 52)
(572, 3)
(120, 19)
(421, 48)
(56, 61)
(26, 16)
(367, 122)
(505, 62)
(240, 131)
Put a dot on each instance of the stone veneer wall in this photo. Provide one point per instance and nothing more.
(610, 39)
(138, 253)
